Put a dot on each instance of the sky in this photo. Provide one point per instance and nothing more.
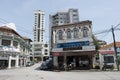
(102, 13)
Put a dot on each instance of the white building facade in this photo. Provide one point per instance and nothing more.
(14, 49)
(64, 17)
(38, 43)
(73, 43)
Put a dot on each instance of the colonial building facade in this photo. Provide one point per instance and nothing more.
(73, 43)
(14, 49)
(63, 17)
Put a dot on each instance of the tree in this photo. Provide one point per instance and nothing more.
(118, 60)
(97, 46)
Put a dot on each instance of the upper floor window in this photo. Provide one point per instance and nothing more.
(46, 45)
(6, 42)
(85, 32)
(60, 34)
(46, 50)
(69, 34)
(75, 33)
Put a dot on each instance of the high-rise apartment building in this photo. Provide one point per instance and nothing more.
(38, 34)
(62, 17)
(39, 26)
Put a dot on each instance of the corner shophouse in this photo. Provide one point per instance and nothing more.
(14, 49)
(73, 43)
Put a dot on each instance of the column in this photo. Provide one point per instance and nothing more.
(11, 43)
(94, 61)
(24, 61)
(21, 60)
(17, 61)
(101, 58)
(53, 36)
(18, 47)
(9, 62)
(55, 61)
(0, 40)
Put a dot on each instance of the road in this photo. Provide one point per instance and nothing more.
(33, 73)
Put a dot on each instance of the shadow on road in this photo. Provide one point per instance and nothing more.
(38, 68)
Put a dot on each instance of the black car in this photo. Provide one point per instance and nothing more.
(47, 65)
(43, 66)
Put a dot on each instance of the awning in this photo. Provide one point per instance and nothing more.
(73, 53)
(106, 52)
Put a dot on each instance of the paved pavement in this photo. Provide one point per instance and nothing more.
(33, 73)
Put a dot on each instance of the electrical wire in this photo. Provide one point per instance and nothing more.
(116, 26)
(104, 31)
(5, 22)
(100, 32)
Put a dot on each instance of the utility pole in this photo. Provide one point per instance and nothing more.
(115, 48)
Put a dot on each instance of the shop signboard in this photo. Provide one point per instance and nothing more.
(73, 44)
(55, 54)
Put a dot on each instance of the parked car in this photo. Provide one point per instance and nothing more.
(30, 63)
(108, 66)
(47, 65)
(43, 66)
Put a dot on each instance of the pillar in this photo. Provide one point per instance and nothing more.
(94, 61)
(55, 61)
(17, 61)
(21, 61)
(9, 62)
(0, 41)
(11, 43)
(101, 58)
(24, 62)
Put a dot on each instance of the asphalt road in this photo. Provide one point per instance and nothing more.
(33, 73)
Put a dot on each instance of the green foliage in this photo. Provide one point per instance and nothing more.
(97, 47)
(118, 59)
(96, 43)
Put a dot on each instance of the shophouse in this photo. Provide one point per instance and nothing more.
(73, 44)
(107, 54)
(14, 49)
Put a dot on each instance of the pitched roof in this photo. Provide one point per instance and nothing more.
(7, 29)
(26, 38)
(111, 45)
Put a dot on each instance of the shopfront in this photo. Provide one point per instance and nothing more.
(77, 60)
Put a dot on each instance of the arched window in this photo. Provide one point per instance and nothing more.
(75, 33)
(68, 34)
(60, 34)
(85, 32)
